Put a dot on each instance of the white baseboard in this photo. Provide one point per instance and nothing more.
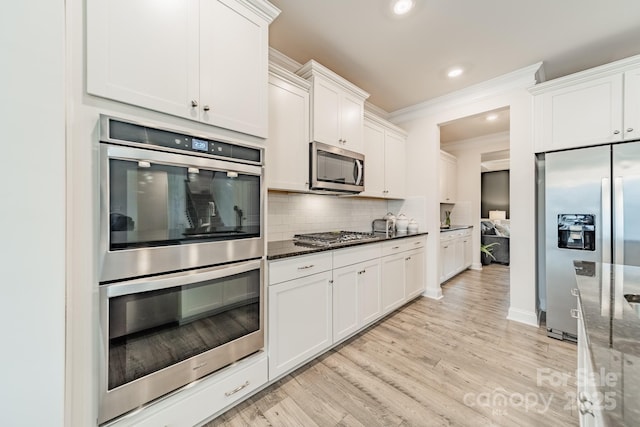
(476, 266)
(522, 316)
(433, 293)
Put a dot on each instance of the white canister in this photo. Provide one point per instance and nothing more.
(413, 226)
(402, 222)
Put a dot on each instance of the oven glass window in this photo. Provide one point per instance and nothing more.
(160, 205)
(149, 331)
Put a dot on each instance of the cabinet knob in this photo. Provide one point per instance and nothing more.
(629, 130)
(194, 103)
(206, 108)
(616, 132)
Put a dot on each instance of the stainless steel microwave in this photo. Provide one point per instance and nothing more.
(335, 169)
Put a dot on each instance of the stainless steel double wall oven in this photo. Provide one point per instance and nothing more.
(181, 257)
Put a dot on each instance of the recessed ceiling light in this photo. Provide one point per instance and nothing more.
(455, 72)
(402, 7)
(492, 117)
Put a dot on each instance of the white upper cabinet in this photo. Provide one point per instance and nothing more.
(337, 108)
(384, 159)
(593, 107)
(632, 104)
(204, 60)
(448, 177)
(288, 131)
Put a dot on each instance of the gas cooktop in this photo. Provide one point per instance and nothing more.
(331, 238)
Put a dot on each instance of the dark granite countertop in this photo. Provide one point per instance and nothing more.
(288, 248)
(455, 227)
(613, 334)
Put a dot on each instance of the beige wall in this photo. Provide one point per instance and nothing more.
(423, 147)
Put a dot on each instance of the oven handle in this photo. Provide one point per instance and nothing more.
(180, 160)
(179, 279)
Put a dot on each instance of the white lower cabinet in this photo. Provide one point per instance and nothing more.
(300, 321)
(455, 253)
(414, 273)
(393, 281)
(318, 300)
(356, 292)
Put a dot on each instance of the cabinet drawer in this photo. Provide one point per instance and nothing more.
(194, 405)
(300, 266)
(349, 256)
(415, 243)
(394, 246)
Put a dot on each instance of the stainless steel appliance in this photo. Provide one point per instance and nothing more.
(591, 200)
(335, 169)
(164, 332)
(172, 201)
(333, 238)
(181, 259)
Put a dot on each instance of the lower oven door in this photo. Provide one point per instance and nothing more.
(164, 332)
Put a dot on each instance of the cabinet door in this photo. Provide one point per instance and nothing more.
(233, 67)
(448, 178)
(468, 251)
(369, 292)
(393, 282)
(144, 53)
(415, 273)
(345, 300)
(458, 255)
(583, 114)
(447, 259)
(351, 120)
(374, 152)
(326, 112)
(299, 321)
(632, 104)
(288, 136)
(395, 165)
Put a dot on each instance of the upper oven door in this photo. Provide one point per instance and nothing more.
(165, 212)
(336, 169)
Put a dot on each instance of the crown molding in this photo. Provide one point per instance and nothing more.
(523, 78)
(279, 58)
(373, 117)
(376, 110)
(263, 8)
(609, 69)
(313, 68)
(288, 76)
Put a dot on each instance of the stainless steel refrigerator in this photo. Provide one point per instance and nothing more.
(591, 210)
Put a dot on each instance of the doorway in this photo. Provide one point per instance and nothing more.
(478, 143)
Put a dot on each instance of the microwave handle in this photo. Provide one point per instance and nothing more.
(359, 173)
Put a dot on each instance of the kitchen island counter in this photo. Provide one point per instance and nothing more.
(612, 330)
(289, 248)
(455, 228)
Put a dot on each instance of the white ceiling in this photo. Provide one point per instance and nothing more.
(403, 61)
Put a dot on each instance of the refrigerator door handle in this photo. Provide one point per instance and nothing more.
(605, 222)
(618, 223)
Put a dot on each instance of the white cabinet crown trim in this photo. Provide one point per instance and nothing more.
(263, 8)
(288, 76)
(312, 67)
(611, 68)
(383, 122)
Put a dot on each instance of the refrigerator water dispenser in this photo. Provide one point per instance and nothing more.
(577, 231)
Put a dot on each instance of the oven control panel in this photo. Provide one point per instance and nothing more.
(118, 130)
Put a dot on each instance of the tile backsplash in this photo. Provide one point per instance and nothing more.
(293, 213)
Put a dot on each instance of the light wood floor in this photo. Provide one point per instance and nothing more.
(456, 361)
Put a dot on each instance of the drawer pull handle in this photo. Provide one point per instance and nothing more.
(575, 292)
(417, 243)
(305, 267)
(396, 247)
(575, 313)
(237, 389)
